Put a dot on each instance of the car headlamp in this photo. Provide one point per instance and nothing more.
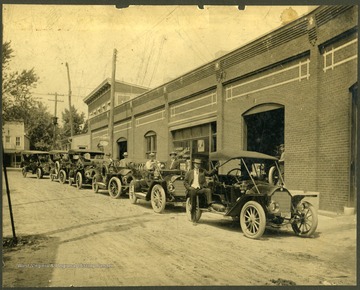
(273, 207)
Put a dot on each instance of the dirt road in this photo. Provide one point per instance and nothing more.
(76, 237)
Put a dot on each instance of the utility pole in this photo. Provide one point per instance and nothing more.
(112, 98)
(55, 122)
(70, 111)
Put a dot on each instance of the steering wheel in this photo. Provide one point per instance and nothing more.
(236, 172)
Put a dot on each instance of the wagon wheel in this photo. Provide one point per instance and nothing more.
(132, 197)
(158, 198)
(94, 185)
(306, 221)
(79, 180)
(39, 173)
(252, 220)
(62, 176)
(24, 172)
(198, 212)
(114, 187)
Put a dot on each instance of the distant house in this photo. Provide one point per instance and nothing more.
(81, 141)
(14, 141)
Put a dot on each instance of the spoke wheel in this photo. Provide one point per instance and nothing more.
(306, 222)
(39, 173)
(79, 180)
(24, 172)
(158, 198)
(114, 187)
(132, 197)
(62, 176)
(198, 212)
(94, 185)
(252, 220)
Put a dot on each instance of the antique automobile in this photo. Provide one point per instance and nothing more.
(244, 193)
(160, 186)
(36, 162)
(112, 177)
(83, 166)
(58, 160)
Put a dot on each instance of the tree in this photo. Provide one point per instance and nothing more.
(18, 103)
(79, 123)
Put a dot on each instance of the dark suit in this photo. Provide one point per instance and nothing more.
(193, 192)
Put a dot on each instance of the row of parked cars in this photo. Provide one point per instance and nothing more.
(242, 190)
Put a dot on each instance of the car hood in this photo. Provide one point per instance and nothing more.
(266, 189)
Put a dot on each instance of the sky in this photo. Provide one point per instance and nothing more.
(154, 43)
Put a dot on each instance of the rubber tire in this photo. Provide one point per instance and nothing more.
(78, 180)
(188, 211)
(272, 173)
(133, 199)
(24, 172)
(57, 167)
(94, 185)
(251, 210)
(158, 198)
(114, 187)
(308, 212)
(39, 173)
(62, 176)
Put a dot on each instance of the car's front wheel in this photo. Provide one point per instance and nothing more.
(252, 220)
(114, 187)
(198, 212)
(306, 221)
(62, 176)
(39, 173)
(158, 198)
(79, 180)
(132, 197)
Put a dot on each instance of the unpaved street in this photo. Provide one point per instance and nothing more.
(76, 237)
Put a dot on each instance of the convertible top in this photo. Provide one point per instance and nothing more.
(237, 154)
(57, 151)
(34, 152)
(74, 151)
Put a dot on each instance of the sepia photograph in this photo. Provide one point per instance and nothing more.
(191, 145)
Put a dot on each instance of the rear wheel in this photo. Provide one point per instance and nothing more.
(198, 212)
(79, 180)
(158, 198)
(132, 197)
(62, 176)
(114, 187)
(306, 221)
(39, 173)
(252, 220)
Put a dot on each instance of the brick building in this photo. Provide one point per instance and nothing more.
(296, 86)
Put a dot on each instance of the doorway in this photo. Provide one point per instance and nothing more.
(122, 147)
(264, 129)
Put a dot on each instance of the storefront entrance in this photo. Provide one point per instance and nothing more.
(264, 129)
(122, 147)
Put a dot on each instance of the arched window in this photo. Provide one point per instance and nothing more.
(150, 142)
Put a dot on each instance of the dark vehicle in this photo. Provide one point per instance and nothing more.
(83, 166)
(58, 160)
(160, 186)
(112, 177)
(36, 162)
(244, 193)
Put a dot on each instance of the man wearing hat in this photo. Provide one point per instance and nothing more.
(174, 162)
(150, 164)
(195, 184)
(125, 161)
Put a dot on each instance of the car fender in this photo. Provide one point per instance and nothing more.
(236, 208)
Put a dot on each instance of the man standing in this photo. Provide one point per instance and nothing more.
(174, 162)
(195, 184)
